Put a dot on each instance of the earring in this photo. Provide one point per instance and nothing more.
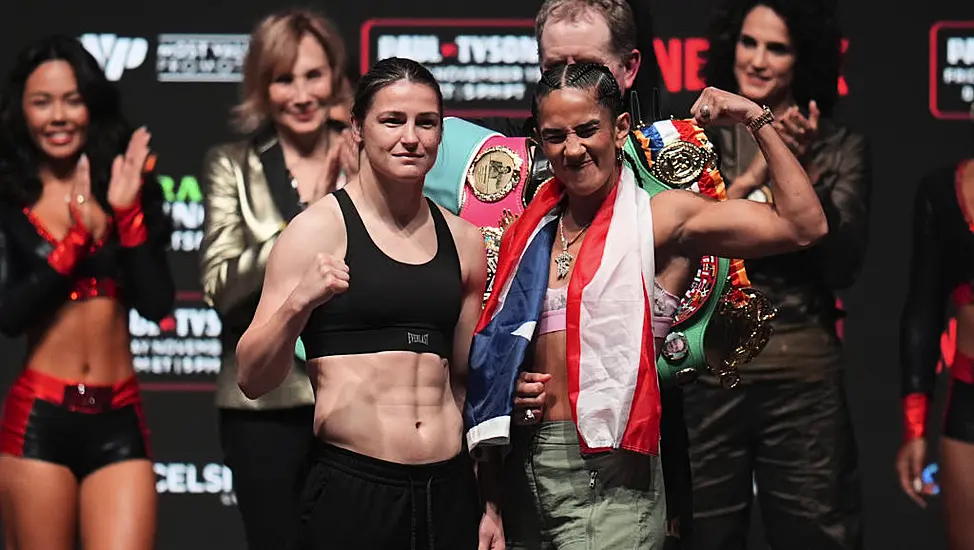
(619, 156)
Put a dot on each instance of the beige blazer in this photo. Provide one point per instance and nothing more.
(248, 201)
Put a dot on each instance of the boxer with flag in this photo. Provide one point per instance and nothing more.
(574, 298)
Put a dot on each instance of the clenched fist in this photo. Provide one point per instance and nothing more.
(529, 398)
(716, 107)
(326, 277)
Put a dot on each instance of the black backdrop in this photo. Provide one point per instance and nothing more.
(898, 75)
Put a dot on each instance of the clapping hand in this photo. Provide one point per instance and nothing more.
(126, 182)
(797, 131)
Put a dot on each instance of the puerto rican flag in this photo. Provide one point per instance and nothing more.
(613, 385)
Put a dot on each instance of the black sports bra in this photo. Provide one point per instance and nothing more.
(389, 305)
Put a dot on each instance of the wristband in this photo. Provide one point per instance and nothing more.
(915, 415)
(68, 251)
(130, 222)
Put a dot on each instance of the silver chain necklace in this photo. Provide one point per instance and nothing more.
(564, 259)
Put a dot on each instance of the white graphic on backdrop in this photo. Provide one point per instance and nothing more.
(184, 343)
(201, 57)
(114, 53)
(952, 69)
(183, 478)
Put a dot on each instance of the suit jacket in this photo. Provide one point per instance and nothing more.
(249, 200)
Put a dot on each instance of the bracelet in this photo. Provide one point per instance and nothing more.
(764, 118)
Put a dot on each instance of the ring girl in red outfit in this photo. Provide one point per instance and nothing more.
(82, 241)
(941, 278)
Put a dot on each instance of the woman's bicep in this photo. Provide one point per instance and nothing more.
(286, 263)
(309, 234)
(736, 228)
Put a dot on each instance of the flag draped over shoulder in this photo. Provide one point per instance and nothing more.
(612, 381)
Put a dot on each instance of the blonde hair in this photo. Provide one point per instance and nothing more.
(274, 44)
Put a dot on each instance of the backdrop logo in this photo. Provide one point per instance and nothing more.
(485, 67)
(184, 205)
(191, 479)
(952, 69)
(186, 343)
(114, 53)
(201, 57)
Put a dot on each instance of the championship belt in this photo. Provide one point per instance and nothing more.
(722, 321)
(486, 179)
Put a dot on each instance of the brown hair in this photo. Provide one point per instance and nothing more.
(273, 44)
(617, 14)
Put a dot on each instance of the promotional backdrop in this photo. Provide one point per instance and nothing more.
(908, 83)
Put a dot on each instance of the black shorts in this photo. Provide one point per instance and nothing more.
(959, 412)
(82, 427)
(356, 502)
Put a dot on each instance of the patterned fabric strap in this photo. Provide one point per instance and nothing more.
(688, 155)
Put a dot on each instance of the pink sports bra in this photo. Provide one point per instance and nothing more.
(556, 300)
(553, 310)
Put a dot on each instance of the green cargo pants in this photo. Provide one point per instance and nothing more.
(556, 499)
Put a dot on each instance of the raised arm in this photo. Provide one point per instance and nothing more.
(144, 233)
(304, 270)
(741, 228)
(143, 229)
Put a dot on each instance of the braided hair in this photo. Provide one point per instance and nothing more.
(580, 76)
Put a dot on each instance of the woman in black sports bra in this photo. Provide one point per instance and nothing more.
(384, 288)
(82, 242)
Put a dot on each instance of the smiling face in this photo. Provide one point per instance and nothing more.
(581, 138)
(401, 131)
(55, 112)
(764, 59)
(299, 95)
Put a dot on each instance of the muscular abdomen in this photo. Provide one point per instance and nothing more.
(395, 406)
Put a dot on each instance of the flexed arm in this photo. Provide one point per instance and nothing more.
(740, 228)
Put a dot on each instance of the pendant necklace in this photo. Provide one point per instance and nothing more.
(564, 259)
(294, 186)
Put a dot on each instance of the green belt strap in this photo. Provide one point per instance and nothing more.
(685, 358)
